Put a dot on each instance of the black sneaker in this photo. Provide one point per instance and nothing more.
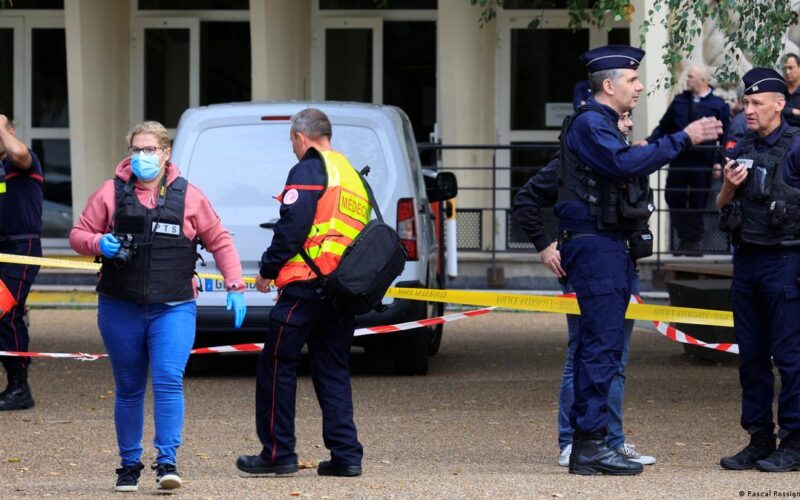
(128, 478)
(167, 477)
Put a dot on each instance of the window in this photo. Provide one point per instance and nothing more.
(166, 75)
(49, 79)
(348, 64)
(194, 5)
(48, 124)
(541, 4)
(57, 210)
(376, 4)
(7, 74)
(409, 72)
(544, 70)
(34, 4)
(225, 62)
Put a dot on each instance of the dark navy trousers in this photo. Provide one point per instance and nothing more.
(686, 193)
(602, 274)
(301, 316)
(18, 279)
(766, 315)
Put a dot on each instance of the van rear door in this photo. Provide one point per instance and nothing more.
(241, 168)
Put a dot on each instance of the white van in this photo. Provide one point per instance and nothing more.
(239, 155)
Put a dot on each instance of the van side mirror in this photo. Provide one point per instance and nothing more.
(441, 186)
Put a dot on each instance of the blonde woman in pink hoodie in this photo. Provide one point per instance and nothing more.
(145, 224)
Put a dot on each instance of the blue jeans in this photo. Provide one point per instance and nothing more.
(566, 395)
(159, 336)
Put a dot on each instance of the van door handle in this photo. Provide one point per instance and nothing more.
(268, 225)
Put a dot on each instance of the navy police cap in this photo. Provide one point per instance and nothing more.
(612, 57)
(759, 80)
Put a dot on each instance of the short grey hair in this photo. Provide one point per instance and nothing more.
(312, 123)
(597, 78)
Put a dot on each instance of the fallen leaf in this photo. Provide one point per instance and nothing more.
(307, 464)
(14, 460)
(295, 493)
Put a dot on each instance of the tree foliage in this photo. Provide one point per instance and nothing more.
(757, 28)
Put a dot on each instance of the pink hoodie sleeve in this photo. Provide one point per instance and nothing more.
(217, 240)
(94, 221)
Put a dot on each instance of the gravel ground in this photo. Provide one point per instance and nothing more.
(481, 424)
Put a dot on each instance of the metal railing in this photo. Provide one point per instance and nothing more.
(505, 171)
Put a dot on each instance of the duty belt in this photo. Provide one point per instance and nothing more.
(14, 237)
(567, 235)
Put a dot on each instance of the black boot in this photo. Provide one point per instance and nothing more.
(786, 458)
(762, 445)
(592, 455)
(17, 395)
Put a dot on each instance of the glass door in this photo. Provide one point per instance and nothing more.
(165, 69)
(11, 74)
(44, 119)
(347, 60)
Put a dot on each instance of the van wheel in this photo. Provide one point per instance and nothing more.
(435, 332)
(411, 353)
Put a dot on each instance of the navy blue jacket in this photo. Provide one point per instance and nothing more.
(541, 191)
(581, 93)
(304, 186)
(596, 142)
(24, 197)
(684, 110)
(791, 166)
(792, 102)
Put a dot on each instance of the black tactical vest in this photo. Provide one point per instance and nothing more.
(618, 205)
(161, 266)
(765, 210)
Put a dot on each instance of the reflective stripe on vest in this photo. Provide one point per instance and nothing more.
(342, 212)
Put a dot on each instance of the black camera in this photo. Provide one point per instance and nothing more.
(127, 249)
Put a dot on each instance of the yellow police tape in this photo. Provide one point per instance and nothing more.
(538, 303)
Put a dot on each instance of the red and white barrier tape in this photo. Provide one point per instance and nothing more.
(676, 335)
(665, 329)
(372, 330)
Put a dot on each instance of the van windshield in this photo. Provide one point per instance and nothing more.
(248, 164)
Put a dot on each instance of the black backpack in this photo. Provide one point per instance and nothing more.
(368, 266)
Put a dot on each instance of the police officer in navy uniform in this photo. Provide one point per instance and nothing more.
(313, 220)
(603, 205)
(760, 203)
(20, 231)
(689, 175)
(581, 94)
(791, 74)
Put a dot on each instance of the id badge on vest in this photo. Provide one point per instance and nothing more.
(166, 229)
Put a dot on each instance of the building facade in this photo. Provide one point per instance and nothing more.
(76, 74)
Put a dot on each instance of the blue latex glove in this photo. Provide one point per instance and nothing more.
(109, 246)
(236, 302)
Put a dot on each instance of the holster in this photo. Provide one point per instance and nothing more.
(730, 217)
(640, 244)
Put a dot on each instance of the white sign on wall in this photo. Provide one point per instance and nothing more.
(555, 112)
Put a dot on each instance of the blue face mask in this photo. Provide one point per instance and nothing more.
(145, 167)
